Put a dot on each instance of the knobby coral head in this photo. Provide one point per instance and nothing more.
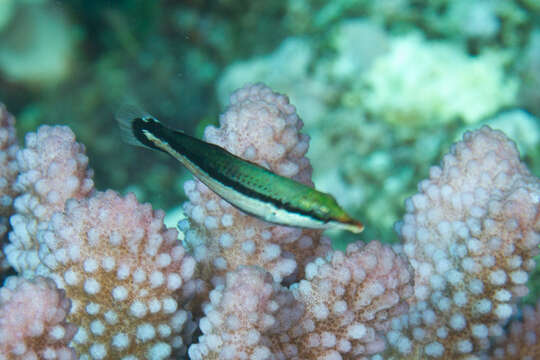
(33, 321)
(253, 290)
(124, 271)
(470, 234)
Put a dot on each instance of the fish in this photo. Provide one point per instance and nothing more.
(245, 185)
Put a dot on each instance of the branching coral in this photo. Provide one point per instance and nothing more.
(469, 235)
(33, 321)
(260, 126)
(8, 172)
(52, 169)
(521, 342)
(350, 299)
(123, 271)
(338, 311)
(245, 317)
(80, 243)
(8, 166)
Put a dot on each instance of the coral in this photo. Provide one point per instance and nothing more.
(470, 234)
(520, 126)
(286, 69)
(124, 273)
(339, 311)
(417, 70)
(8, 165)
(246, 317)
(8, 173)
(521, 342)
(260, 126)
(482, 23)
(353, 60)
(296, 53)
(37, 31)
(53, 168)
(428, 89)
(33, 320)
(349, 299)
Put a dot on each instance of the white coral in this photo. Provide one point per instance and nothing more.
(418, 83)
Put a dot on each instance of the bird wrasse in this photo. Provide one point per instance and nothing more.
(245, 185)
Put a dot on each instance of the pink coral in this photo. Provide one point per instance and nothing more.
(260, 126)
(8, 172)
(124, 272)
(350, 299)
(339, 312)
(8, 165)
(246, 317)
(53, 168)
(33, 321)
(522, 341)
(470, 234)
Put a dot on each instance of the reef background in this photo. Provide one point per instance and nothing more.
(383, 87)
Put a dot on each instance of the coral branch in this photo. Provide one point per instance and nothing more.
(350, 299)
(246, 318)
(470, 233)
(8, 173)
(521, 342)
(53, 168)
(124, 272)
(341, 310)
(468, 241)
(33, 321)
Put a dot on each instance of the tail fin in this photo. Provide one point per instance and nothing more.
(127, 116)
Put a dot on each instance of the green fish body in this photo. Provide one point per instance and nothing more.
(245, 185)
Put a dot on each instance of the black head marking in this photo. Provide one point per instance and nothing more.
(150, 125)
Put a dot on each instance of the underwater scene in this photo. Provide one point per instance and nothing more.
(269, 180)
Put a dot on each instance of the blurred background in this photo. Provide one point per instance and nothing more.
(384, 87)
